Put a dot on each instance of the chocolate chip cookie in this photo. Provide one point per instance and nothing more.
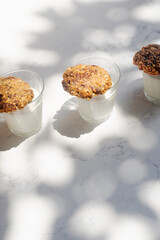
(148, 59)
(86, 81)
(14, 94)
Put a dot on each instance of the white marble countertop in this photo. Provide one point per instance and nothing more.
(73, 180)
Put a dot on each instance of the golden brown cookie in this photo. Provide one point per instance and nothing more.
(148, 59)
(86, 81)
(14, 94)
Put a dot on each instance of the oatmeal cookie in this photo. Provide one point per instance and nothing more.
(14, 94)
(86, 81)
(148, 59)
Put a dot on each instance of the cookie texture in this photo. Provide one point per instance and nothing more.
(14, 94)
(86, 81)
(148, 59)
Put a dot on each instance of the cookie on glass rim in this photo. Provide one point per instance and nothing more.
(14, 94)
(86, 81)
(148, 59)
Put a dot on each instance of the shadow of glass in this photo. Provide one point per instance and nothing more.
(68, 121)
(3, 216)
(135, 103)
(7, 139)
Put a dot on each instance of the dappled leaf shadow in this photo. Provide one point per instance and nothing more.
(102, 183)
(95, 26)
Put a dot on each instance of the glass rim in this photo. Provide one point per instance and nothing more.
(28, 71)
(107, 60)
(152, 76)
(155, 41)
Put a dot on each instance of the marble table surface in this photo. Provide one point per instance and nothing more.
(73, 180)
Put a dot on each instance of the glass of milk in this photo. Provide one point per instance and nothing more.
(152, 83)
(152, 87)
(27, 121)
(99, 108)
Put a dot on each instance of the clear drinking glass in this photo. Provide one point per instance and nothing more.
(152, 83)
(152, 87)
(27, 121)
(99, 108)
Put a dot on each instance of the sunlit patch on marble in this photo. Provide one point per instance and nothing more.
(155, 41)
(132, 171)
(96, 36)
(41, 58)
(98, 220)
(54, 166)
(92, 220)
(91, 53)
(123, 59)
(15, 165)
(121, 36)
(55, 96)
(132, 227)
(143, 139)
(124, 33)
(26, 22)
(149, 194)
(17, 183)
(147, 12)
(30, 217)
